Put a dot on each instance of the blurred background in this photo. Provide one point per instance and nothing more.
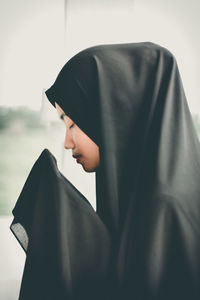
(37, 38)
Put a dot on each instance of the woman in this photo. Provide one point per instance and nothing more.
(129, 99)
(127, 116)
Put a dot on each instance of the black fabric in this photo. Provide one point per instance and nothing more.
(67, 246)
(129, 99)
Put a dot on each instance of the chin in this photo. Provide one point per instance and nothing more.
(89, 169)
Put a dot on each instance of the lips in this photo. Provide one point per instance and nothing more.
(77, 156)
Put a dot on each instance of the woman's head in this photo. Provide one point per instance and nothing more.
(129, 100)
(81, 145)
(107, 91)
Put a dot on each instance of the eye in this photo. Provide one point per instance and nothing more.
(62, 116)
(71, 125)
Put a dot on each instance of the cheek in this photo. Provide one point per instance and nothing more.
(92, 151)
(80, 139)
(85, 146)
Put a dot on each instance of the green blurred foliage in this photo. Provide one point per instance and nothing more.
(22, 115)
(22, 138)
(18, 152)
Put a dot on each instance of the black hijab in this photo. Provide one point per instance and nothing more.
(129, 99)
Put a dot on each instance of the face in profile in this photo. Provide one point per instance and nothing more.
(84, 150)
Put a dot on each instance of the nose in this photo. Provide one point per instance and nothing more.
(68, 143)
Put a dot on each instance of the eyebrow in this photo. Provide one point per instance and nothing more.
(62, 116)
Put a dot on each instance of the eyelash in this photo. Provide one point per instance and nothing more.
(71, 126)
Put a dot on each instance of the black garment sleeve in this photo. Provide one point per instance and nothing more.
(67, 246)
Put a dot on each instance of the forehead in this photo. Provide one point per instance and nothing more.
(59, 109)
(61, 112)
